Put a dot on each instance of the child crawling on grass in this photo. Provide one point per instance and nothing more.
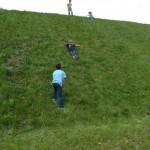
(71, 48)
(90, 15)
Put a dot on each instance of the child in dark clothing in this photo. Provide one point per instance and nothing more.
(90, 15)
(71, 48)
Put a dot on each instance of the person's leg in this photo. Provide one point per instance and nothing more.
(55, 91)
(71, 12)
(60, 105)
(90, 17)
(74, 53)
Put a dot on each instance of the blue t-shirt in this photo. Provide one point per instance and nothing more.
(58, 77)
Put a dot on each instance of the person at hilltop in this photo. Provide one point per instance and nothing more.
(69, 6)
(90, 15)
(71, 47)
(58, 82)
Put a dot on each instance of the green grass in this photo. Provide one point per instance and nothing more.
(106, 96)
(132, 135)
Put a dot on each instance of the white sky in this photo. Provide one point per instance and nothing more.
(127, 10)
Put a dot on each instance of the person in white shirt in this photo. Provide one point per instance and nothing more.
(69, 6)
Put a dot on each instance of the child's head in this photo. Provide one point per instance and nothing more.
(70, 41)
(90, 12)
(58, 66)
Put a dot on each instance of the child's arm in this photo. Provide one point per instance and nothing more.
(78, 45)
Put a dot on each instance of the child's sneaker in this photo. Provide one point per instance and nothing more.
(74, 57)
(62, 108)
(54, 100)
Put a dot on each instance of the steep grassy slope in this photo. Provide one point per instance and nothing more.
(109, 84)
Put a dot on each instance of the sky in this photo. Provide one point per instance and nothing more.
(125, 10)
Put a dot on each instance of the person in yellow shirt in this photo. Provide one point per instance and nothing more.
(69, 6)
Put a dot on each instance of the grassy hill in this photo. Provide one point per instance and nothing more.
(106, 96)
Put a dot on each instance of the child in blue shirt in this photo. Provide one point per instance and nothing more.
(59, 77)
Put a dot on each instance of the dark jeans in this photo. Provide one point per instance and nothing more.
(58, 94)
(70, 11)
(73, 53)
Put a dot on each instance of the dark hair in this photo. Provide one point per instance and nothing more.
(58, 66)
